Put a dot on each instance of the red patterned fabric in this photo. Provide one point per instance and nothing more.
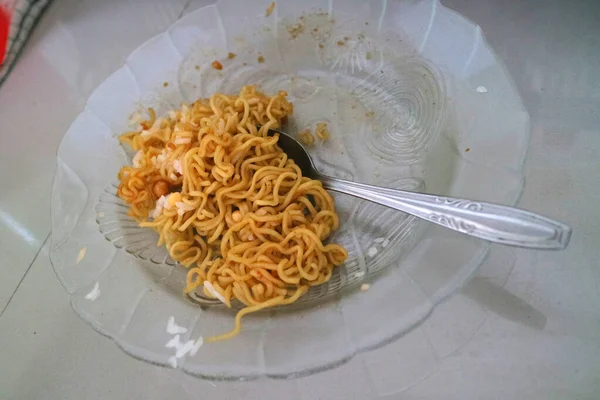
(4, 26)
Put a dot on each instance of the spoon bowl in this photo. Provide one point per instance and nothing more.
(492, 222)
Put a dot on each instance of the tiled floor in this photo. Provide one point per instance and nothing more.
(538, 341)
(56, 73)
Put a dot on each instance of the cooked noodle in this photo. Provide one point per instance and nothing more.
(229, 204)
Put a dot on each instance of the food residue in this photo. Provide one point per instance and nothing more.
(322, 132)
(160, 188)
(372, 252)
(295, 30)
(270, 9)
(231, 56)
(182, 348)
(306, 137)
(135, 119)
(261, 59)
(197, 67)
(468, 149)
(173, 328)
(80, 255)
(177, 166)
(217, 65)
(211, 289)
(364, 287)
(370, 114)
(341, 43)
(94, 293)
(165, 84)
(321, 45)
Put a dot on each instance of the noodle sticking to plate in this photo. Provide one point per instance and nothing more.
(228, 203)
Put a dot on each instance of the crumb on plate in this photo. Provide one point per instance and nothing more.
(81, 255)
(372, 252)
(295, 30)
(261, 59)
(322, 132)
(270, 9)
(217, 65)
(364, 287)
(94, 293)
(306, 137)
(231, 55)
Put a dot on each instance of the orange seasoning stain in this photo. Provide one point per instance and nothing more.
(217, 65)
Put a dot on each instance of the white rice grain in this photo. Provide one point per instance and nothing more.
(81, 255)
(94, 293)
(137, 158)
(178, 167)
(211, 289)
(173, 328)
(172, 361)
(197, 345)
(372, 251)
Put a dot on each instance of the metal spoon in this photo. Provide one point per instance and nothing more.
(495, 223)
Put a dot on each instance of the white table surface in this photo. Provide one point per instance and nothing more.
(537, 314)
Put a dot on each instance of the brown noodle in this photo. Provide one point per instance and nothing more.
(229, 204)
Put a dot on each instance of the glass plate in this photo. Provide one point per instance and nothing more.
(414, 98)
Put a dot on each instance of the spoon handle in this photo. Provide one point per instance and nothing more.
(492, 222)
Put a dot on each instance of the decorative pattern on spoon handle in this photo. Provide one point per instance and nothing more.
(492, 222)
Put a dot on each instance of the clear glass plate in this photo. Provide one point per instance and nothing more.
(414, 98)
